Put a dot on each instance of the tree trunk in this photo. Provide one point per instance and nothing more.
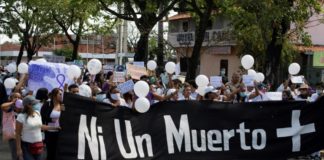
(199, 39)
(141, 53)
(21, 52)
(76, 47)
(75, 51)
(160, 55)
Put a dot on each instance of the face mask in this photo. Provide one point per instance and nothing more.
(37, 107)
(115, 97)
(242, 94)
(318, 91)
(100, 97)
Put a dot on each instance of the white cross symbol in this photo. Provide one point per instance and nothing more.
(296, 130)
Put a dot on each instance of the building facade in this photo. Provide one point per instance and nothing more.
(91, 46)
(218, 53)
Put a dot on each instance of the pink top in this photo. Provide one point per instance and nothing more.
(8, 125)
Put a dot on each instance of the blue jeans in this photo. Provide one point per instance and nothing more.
(26, 152)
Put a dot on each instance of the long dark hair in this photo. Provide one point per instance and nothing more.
(42, 94)
(53, 95)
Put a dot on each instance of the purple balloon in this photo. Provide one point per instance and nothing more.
(19, 104)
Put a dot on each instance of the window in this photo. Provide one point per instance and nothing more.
(224, 67)
(185, 26)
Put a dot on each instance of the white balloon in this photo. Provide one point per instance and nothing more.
(151, 65)
(85, 90)
(142, 105)
(10, 83)
(170, 67)
(94, 66)
(73, 72)
(41, 60)
(260, 77)
(252, 72)
(294, 68)
(247, 61)
(202, 80)
(141, 89)
(23, 68)
(11, 68)
(201, 90)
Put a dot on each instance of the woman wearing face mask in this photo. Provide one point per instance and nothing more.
(28, 131)
(114, 98)
(50, 113)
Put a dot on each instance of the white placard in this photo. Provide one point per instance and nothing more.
(119, 76)
(248, 80)
(274, 96)
(126, 87)
(297, 79)
(216, 81)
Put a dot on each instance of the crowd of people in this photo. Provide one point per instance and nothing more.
(30, 119)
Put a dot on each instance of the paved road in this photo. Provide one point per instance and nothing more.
(4, 150)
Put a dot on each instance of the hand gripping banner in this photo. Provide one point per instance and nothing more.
(190, 130)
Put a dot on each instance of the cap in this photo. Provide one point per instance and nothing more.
(29, 100)
(304, 86)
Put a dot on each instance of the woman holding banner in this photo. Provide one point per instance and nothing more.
(50, 113)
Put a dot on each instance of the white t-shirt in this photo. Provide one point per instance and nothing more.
(31, 131)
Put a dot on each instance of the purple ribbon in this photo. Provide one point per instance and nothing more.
(60, 78)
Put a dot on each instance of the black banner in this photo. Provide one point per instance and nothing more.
(190, 130)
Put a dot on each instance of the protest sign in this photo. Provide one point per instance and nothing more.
(274, 96)
(297, 79)
(190, 130)
(248, 80)
(216, 81)
(47, 75)
(126, 87)
(135, 71)
(139, 63)
(119, 77)
(54, 58)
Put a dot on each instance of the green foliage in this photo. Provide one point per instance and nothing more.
(254, 23)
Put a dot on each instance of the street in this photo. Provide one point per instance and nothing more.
(4, 150)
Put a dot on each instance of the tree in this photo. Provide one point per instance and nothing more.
(202, 9)
(145, 14)
(265, 29)
(32, 25)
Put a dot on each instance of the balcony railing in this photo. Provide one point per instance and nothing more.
(212, 38)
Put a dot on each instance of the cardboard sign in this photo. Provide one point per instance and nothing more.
(119, 77)
(47, 75)
(139, 63)
(297, 79)
(248, 80)
(216, 81)
(126, 87)
(54, 58)
(135, 71)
